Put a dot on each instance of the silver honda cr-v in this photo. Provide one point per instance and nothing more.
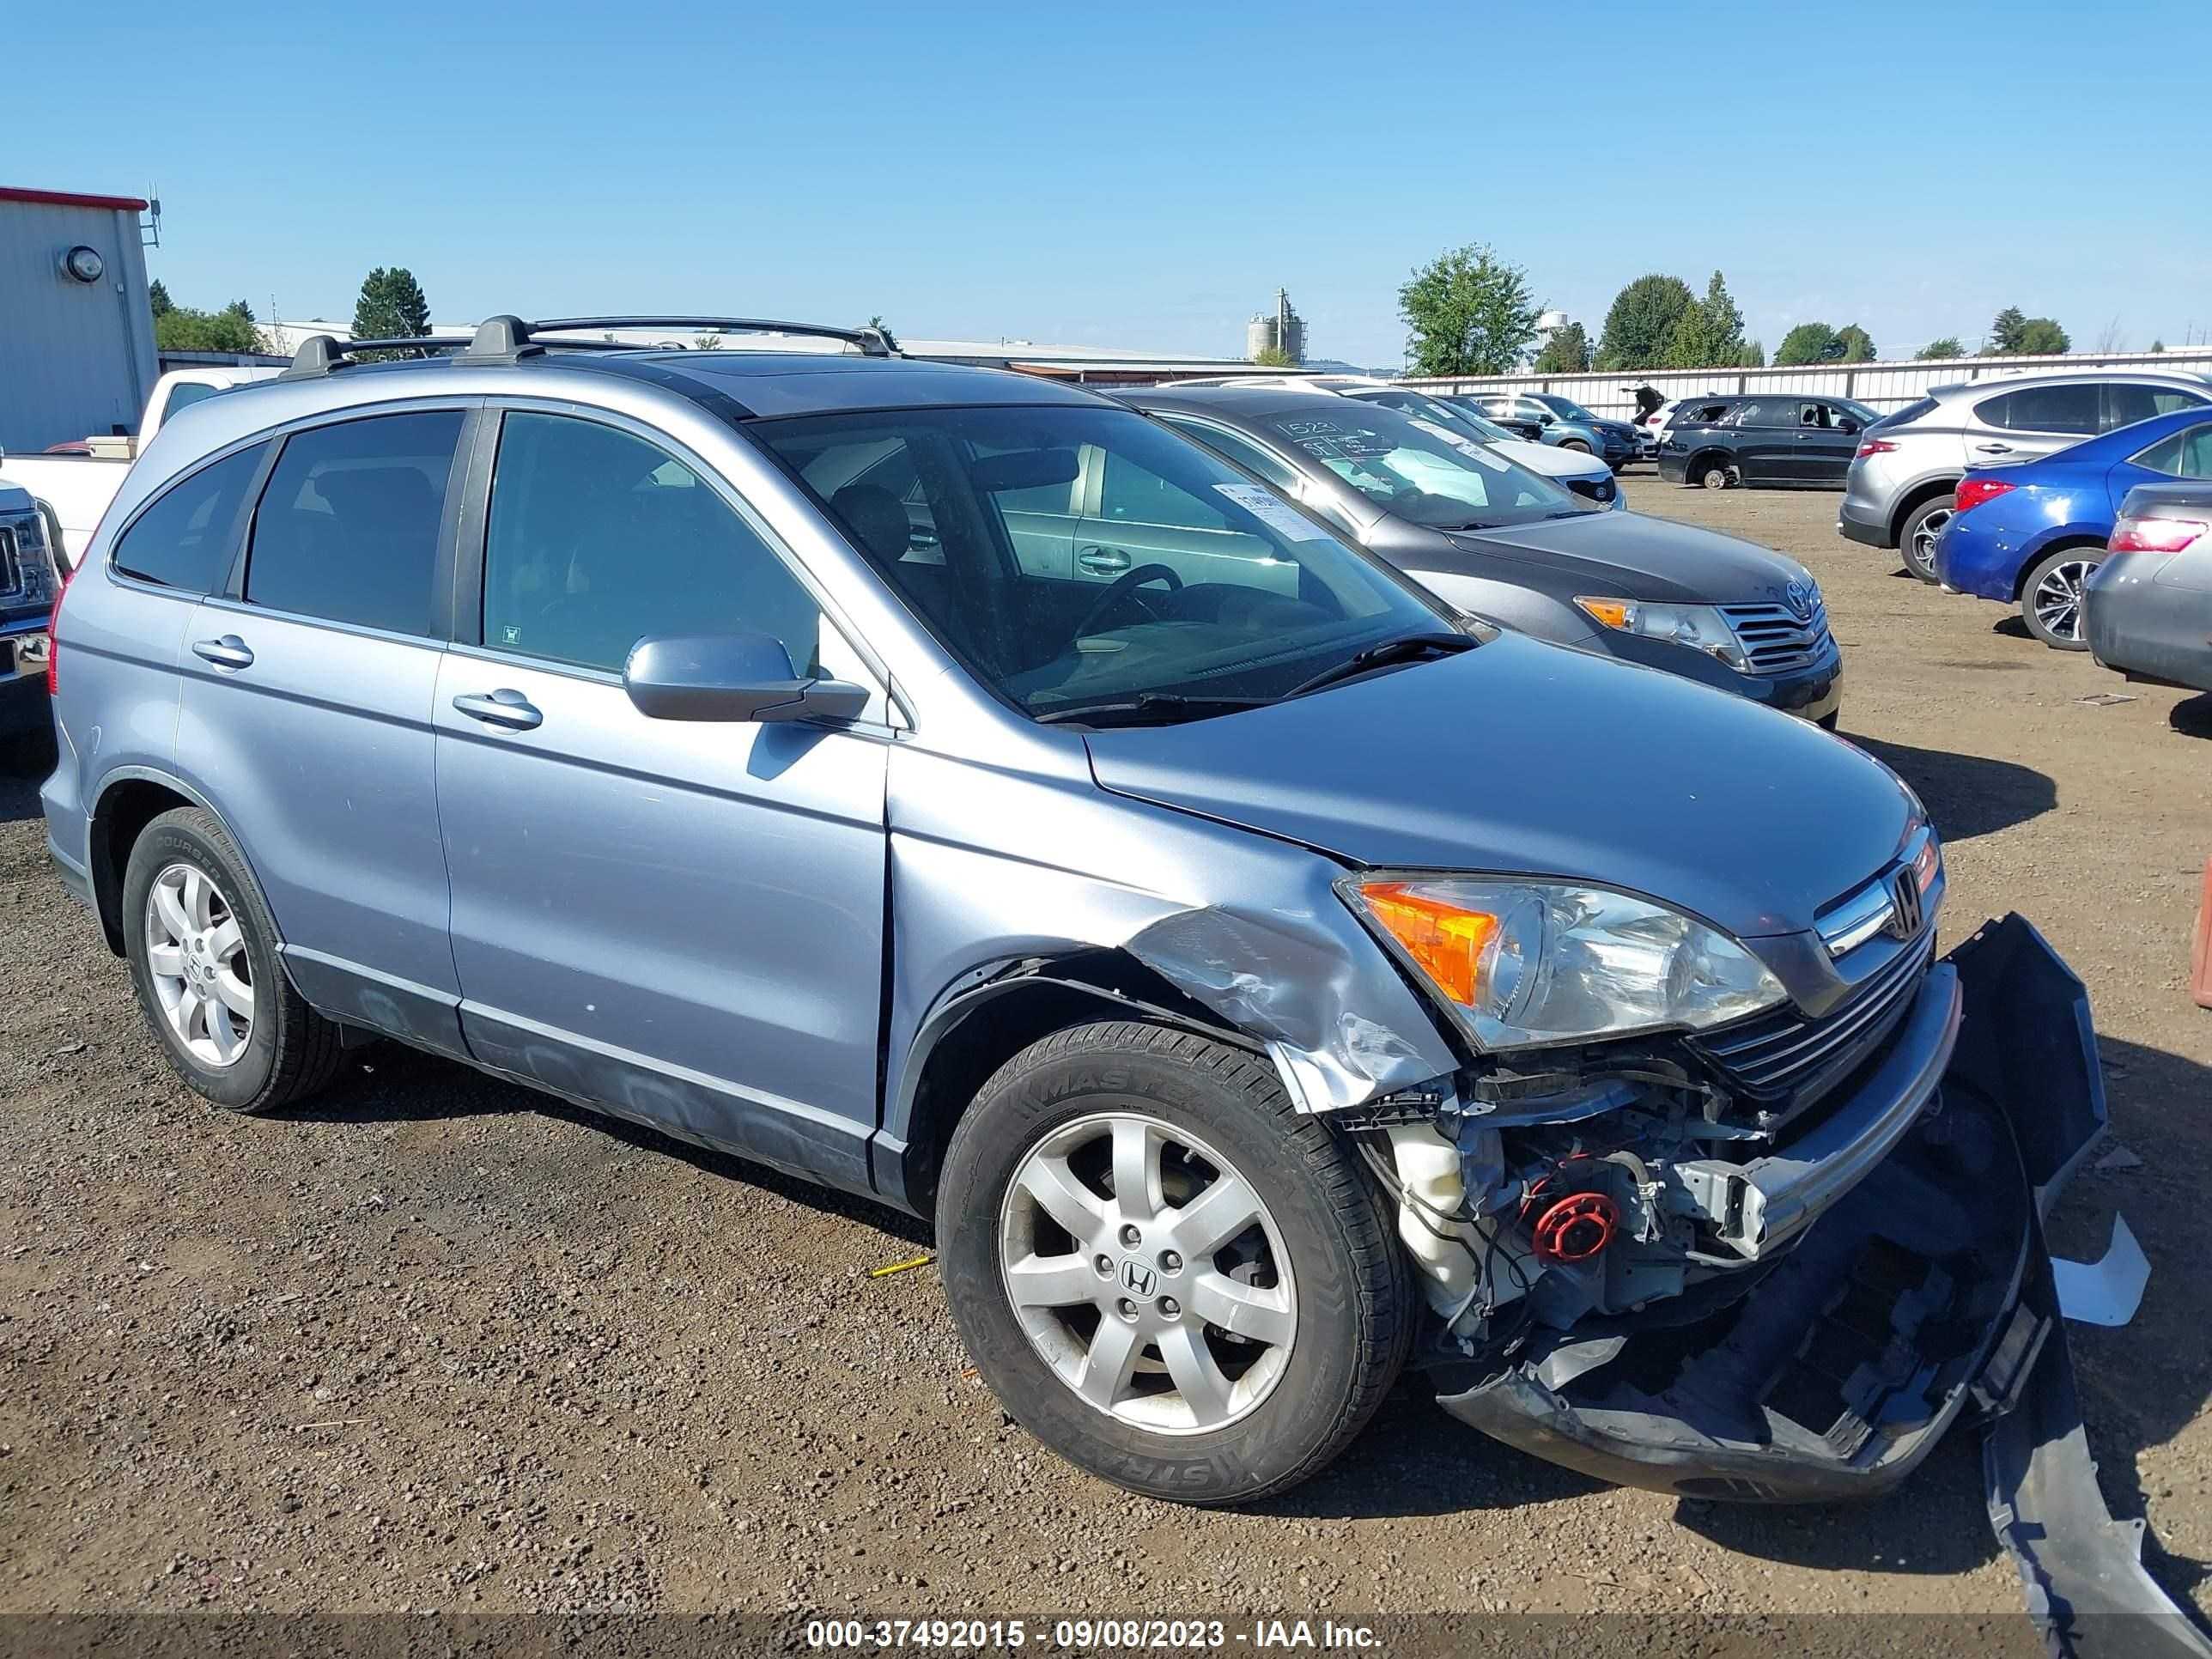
(1261, 974)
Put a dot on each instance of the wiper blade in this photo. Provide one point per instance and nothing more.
(1148, 708)
(1411, 647)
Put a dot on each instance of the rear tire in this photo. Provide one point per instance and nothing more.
(1712, 472)
(193, 971)
(1916, 541)
(2051, 598)
(1094, 1361)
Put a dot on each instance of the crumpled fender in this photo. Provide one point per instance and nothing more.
(1248, 926)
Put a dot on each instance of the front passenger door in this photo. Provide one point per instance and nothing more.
(679, 922)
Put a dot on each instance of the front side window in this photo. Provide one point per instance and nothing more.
(597, 538)
(184, 539)
(2043, 409)
(1185, 582)
(2127, 402)
(347, 531)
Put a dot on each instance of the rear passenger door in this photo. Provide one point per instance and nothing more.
(681, 922)
(1765, 432)
(308, 686)
(2033, 421)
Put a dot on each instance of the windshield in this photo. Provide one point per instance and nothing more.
(1072, 557)
(1422, 471)
(1565, 408)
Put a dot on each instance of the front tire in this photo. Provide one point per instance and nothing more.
(202, 952)
(2051, 598)
(1916, 541)
(1168, 1275)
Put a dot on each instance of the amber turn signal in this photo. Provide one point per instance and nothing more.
(1446, 940)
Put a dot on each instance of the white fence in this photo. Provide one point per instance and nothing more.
(1884, 386)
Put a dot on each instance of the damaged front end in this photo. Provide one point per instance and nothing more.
(1638, 1272)
(1635, 1277)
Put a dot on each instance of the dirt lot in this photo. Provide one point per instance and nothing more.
(437, 1343)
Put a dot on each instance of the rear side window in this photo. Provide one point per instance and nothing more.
(1913, 411)
(184, 539)
(347, 531)
(2127, 402)
(2186, 454)
(2043, 409)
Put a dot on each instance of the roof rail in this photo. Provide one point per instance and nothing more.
(506, 339)
(319, 354)
(873, 341)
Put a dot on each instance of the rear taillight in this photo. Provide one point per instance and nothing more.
(1972, 492)
(2155, 535)
(54, 637)
(1876, 446)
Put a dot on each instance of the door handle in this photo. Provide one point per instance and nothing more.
(1993, 449)
(504, 708)
(229, 652)
(1102, 561)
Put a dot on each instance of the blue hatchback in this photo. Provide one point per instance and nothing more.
(2030, 535)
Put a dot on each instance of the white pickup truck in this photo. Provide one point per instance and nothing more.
(73, 489)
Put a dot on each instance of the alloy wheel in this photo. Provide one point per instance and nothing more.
(197, 961)
(1921, 551)
(1147, 1274)
(2057, 600)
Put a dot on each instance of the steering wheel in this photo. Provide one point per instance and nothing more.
(1121, 588)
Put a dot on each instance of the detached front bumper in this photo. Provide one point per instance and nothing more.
(1844, 1364)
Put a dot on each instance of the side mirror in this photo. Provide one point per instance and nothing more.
(1545, 420)
(731, 676)
(1847, 425)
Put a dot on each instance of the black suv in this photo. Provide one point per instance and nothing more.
(1775, 439)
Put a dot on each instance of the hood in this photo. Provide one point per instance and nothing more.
(1528, 758)
(1637, 557)
(1551, 463)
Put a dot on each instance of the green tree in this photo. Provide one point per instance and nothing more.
(182, 328)
(1857, 344)
(1751, 354)
(2157, 346)
(1468, 312)
(1934, 351)
(1567, 351)
(157, 297)
(2005, 331)
(1641, 319)
(1808, 343)
(1709, 334)
(1273, 358)
(2040, 335)
(390, 308)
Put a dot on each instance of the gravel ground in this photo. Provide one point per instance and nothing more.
(439, 1343)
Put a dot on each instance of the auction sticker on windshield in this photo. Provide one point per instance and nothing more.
(1283, 519)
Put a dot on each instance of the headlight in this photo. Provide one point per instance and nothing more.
(1700, 626)
(1520, 963)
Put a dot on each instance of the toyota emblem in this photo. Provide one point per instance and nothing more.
(1798, 596)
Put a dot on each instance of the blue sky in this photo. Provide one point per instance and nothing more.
(1144, 175)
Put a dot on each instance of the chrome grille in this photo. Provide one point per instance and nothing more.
(1773, 640)
(1785, 1056)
